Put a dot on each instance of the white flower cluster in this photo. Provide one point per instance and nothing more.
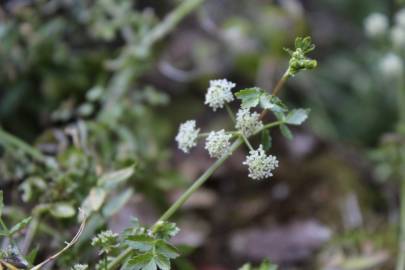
(391, 66)
(219, 93)
(259, 164)
(218, 143)
(80, 267)
(376, 25)
(187, 136)
(248, 123)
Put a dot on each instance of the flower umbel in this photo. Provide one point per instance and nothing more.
(187, 136)
(219, 93)
(218, 143)
(260, 165)
(248, 123)
(106, 241)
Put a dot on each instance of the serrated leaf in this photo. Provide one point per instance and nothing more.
(62, 210)
(272, 103)
(166, 249)
(140, 261)
(266, 139)
(20, 225)
(297, 117)
(250, 97)
(162, 262)
(286, 132)
(150, 266)
(141, 242)
(112, 179)
(166, 230)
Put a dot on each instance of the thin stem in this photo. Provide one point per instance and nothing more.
(182, 199)
(232, 116)
(277, 89)
(198, 183)
(401, 111)
(170, 22)
(186, 195)
(9, 139)
(281, 83)
(230, 113)
(31, 231)
(401, 247)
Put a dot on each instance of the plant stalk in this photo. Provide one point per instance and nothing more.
(9, 139)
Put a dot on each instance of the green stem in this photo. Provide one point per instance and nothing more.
(198, 183)
(281, 83)
(230, 113)
(401, 129)
(401, 246)
(9, 139)
(170, 22)
(186, 195)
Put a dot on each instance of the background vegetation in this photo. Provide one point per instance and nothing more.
(95, 90)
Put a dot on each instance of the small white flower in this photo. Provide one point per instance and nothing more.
(391, 65)
(400, 18)
(248, 123)
(80, 267)
(187, 136)
(218, 143)
(397, 36)
(260, 165)
(219, 93)
(376, 24)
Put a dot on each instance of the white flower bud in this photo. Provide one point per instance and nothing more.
(259, 164)
(391, 66)
(219, 93)
(376, 24)
(248, 123)
(187, 136)
(218, 143)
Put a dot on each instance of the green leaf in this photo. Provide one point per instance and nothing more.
(141, 261)
(166, 249)
(250, 97)
(141, 242)
(297, 117)
(162, 262)
(112, 179)
(166, 230)
(20, 225)
(266, 139)
(62, 210)
(32, 256)
(1, 202)
(272, 103)
(94, 200)
(150, 266)
(115, 204)
(286, 132)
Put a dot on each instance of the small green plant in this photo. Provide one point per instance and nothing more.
(143, 248)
